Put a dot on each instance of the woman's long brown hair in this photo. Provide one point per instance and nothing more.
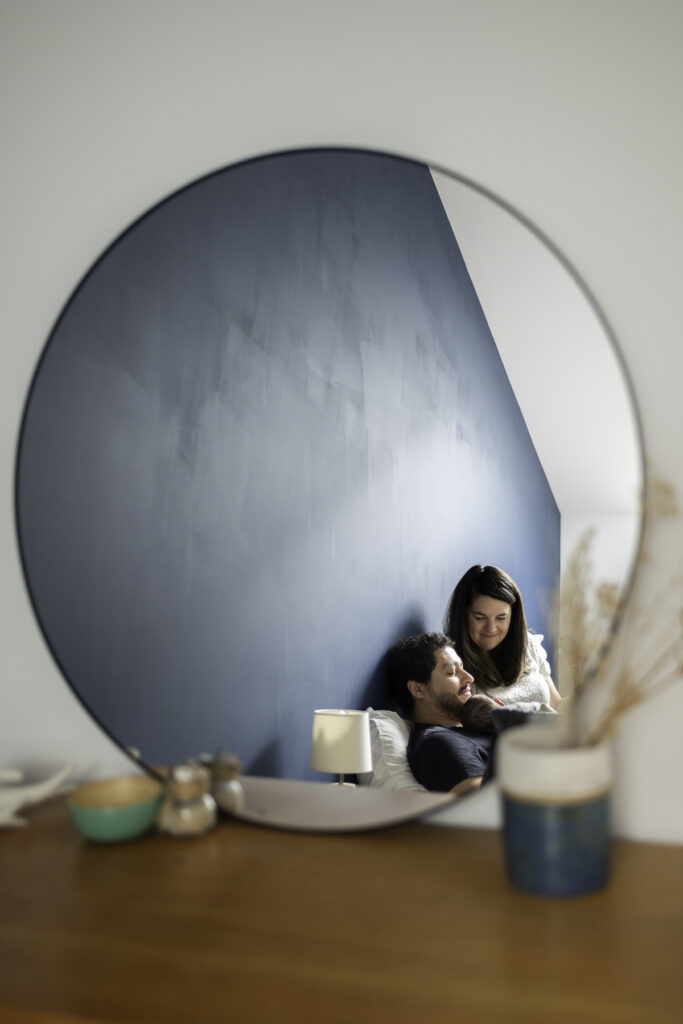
(503, 665)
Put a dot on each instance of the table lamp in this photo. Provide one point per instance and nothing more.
(341, 742)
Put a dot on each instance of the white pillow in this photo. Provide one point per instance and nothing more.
(389, 734)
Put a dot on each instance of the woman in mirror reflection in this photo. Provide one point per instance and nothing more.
(485, 620)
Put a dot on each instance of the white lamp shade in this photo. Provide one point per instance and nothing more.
(341, 741)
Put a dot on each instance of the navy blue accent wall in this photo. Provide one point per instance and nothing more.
(268, 434)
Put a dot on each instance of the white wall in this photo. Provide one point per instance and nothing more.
(570, 111)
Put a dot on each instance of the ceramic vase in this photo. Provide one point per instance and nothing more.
(556, 808)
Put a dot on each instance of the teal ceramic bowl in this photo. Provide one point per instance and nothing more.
(113, 810)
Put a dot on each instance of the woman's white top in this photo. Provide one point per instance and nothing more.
(532, 685)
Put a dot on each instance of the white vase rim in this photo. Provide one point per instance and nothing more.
(531, 765)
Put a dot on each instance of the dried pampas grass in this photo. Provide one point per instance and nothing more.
(613, 655)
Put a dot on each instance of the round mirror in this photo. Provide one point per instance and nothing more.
(276, 422)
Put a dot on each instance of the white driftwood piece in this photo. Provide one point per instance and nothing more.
(14, 797)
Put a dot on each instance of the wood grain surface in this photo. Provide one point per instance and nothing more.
(414, 923)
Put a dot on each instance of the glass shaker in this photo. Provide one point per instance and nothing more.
(188, 809)
(225, 785)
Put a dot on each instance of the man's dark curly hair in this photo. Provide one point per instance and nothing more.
(414, 658)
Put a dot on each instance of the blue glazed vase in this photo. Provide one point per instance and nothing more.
(556, 821)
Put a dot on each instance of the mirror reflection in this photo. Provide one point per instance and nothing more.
(460, 689)
(274, 425)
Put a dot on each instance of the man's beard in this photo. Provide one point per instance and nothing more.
(450, 704)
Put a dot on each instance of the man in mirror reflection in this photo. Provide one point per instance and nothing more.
(451, 745)
(430, 685)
